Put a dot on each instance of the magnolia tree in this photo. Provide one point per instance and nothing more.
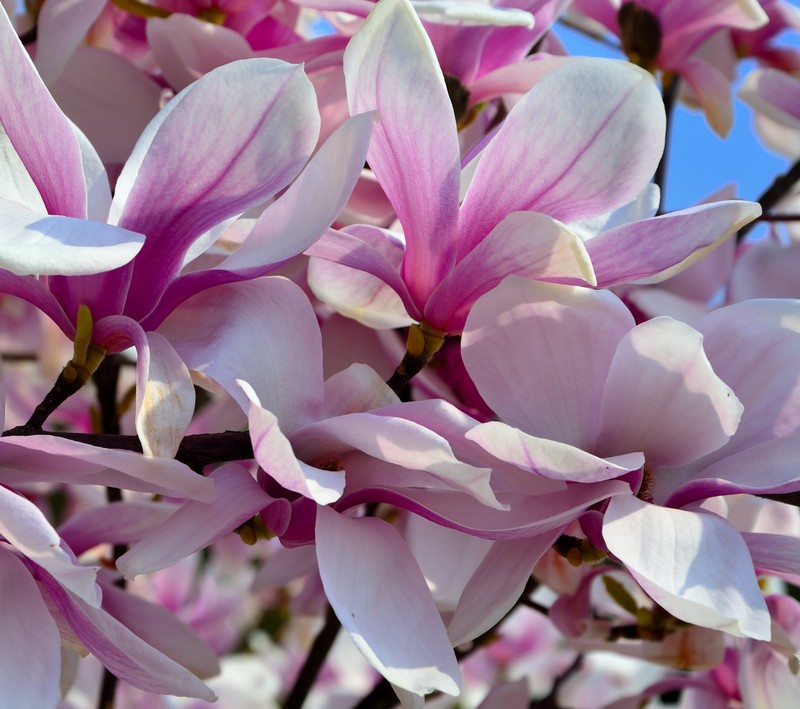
(388, 380)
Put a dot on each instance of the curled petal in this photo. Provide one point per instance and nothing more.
(196, 524)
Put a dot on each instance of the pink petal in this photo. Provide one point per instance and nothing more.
(196, 524)
(539, 354)
(60, 28)
(271, 124)
(508, 695)
(36, 293)
(25, 527)
(693, 564)
(123, 652)
(398, 441)
(118, 523)
(275, 455)
(362, 279)
(110, 98)
(766, 680)
(262, 331)
(662, 397)
(357, 388)
(160, 628)
(579, 167)
(517, 78)
(187, 48)
(668, 244)
(38, 130)
(524, 244)
(414, 150)
(51, 459)
(294, 222)
(496, 585)
(768, 269)
(743, 340)
(773, 552)
(528, 515)
(712, 89)
(776, 461)
(774, 93)
(550, 459)
(31, 666)
(380, 596)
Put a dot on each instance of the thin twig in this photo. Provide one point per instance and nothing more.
(776, 191)
(314, 661)
(669, 92)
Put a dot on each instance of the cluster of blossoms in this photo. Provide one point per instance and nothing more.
(386, 375)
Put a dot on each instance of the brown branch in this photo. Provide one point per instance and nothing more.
(776, 191)
(196, 451)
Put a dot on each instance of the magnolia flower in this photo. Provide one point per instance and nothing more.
(539, 171)
(585, 395)
(187, 176)
(665, 34)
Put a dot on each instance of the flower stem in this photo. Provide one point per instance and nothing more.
(314, 661)
(423, 342)
(669, 92)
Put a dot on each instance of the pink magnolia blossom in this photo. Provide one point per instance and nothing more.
(585, 396)
(665, 34)
(535, 174)
(760, 43)
(182, 181)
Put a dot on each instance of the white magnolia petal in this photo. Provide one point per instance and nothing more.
(693, 564)
(31, 666)
(380, 596)
(164, 397)
(39, 244)
(197, 524)
(496, 585)
(23, 525)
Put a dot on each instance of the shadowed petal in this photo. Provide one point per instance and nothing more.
(60, 28)
(263, 331)
(186, 47)
(693, 564)
(539, 354)
(196, 524)
(123, 652)
(496, 585)
(662, 397)
(23, 525)
(51, 459)
(31, 666)
(551, 459)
